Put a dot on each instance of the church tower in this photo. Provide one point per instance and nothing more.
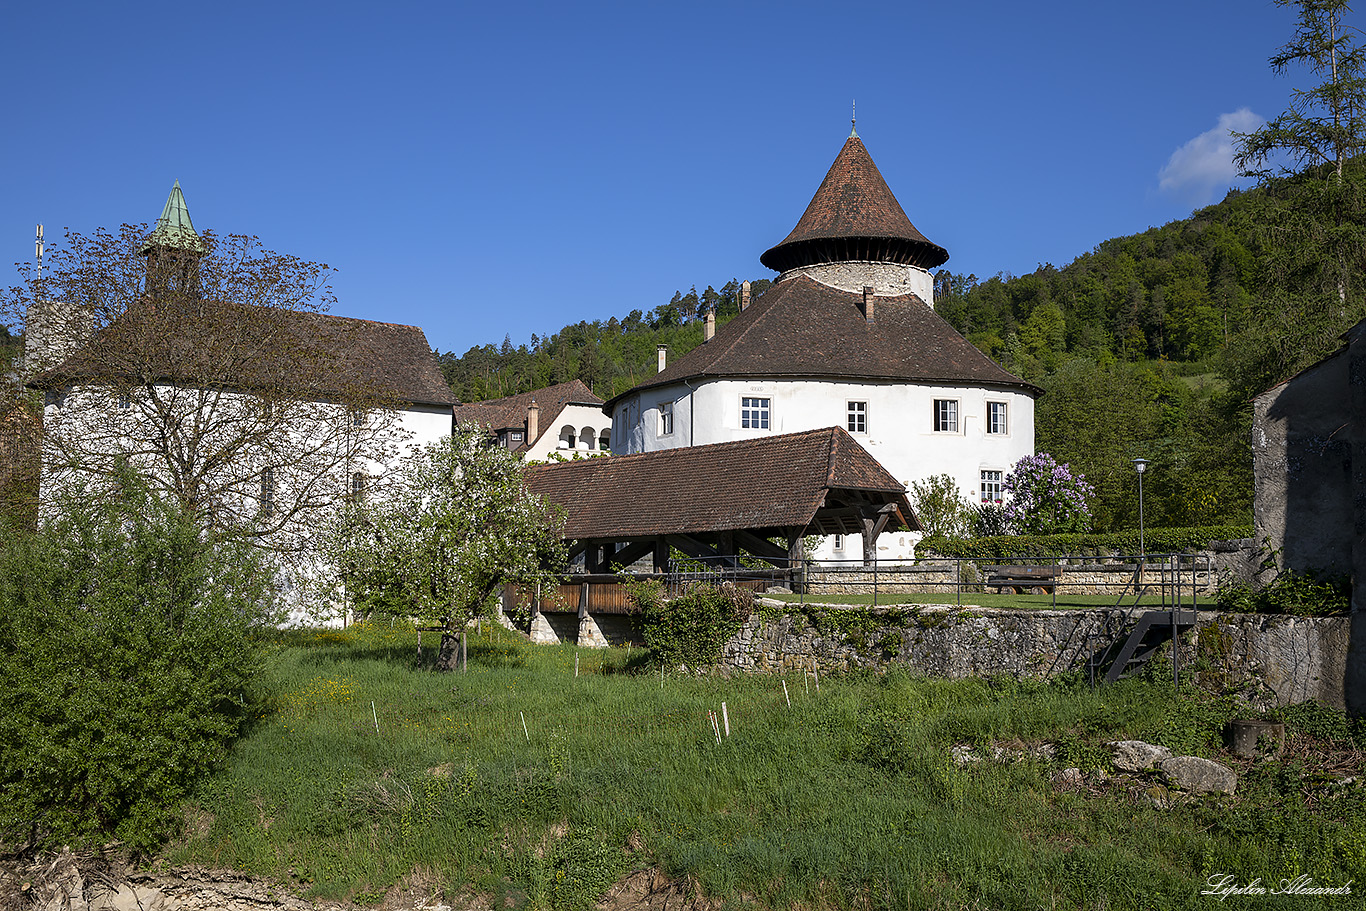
(173, 251)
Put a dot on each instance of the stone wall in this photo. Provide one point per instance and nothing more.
(1294, 659)
(1097, 577)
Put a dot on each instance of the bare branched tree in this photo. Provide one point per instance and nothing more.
(208, 365)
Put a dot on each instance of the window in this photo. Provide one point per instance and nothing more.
(515, 436)
(993, 486)
(358, 485)
(996, 418)
(267, 491)
(666, 418)
(858, 417)
(754, 413)
(946, 415)
(839, 542)
(125, 402)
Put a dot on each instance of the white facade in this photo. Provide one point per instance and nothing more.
(581, 429)
(898, 421)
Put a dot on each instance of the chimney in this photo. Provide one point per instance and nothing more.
(709, 330)
(744, 296)
(663, 357)
(533, 423)
(868, 303)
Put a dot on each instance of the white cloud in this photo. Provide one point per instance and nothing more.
(1203, 168)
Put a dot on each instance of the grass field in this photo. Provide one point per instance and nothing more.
(534, 787)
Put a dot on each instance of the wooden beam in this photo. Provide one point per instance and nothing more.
(631, 552)
(661, 555)
(759, 547)
(696, 548)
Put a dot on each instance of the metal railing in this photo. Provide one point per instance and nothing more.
(1174, 579)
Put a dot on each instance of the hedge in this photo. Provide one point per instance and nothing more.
(1018, 547)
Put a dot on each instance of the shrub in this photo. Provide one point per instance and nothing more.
(692, 629)
(1301, 594)
(125, 659)
(940, 506)
(1046, 497)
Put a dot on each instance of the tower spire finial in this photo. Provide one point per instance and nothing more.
(853, 118)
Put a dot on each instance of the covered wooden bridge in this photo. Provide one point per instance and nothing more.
(718, 502)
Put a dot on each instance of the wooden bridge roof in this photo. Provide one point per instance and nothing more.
(818, 481)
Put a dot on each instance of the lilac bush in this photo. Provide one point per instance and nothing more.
(1046, 497)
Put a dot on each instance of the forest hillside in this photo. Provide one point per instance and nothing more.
(1149, 345)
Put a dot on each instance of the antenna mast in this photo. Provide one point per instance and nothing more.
(38, 254)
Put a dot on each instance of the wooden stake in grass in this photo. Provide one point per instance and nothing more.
(715, 728)
(726, 718)
(816, 674)
(576, 662)
(524, 730)
(374, 715)
(785, 696)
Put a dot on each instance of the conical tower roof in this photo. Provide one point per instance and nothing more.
(174, 228)
(854, 216)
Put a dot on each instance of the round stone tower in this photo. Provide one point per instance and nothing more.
(855, 234)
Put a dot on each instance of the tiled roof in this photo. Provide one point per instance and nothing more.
(510, 413)
(802, 328)
(854, 216)
(774, 482)
(213, 343)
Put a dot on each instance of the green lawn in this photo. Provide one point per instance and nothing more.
(537, 788)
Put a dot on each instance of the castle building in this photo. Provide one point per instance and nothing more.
(846, 336)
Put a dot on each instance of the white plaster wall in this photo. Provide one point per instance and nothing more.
(900, 433)
(580, 417)
(95, 414)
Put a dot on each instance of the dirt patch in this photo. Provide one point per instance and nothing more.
(101, 881)
(651, 890)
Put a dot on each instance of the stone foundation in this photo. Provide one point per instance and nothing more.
(1294, 658)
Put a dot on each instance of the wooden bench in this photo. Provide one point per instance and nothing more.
(1021, 580)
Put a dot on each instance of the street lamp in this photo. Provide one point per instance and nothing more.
(1140, 465)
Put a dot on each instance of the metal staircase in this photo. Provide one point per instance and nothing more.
(1152, 629)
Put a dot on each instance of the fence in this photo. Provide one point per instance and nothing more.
(1177, 579)
(596, 593)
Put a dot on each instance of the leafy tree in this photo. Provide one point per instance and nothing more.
(1311, 218)
(453, 524)
(940, 506)
(126, 659)
(1044, 497)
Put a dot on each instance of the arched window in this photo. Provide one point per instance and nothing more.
(587, 437)
(567, 438)
(605, 441)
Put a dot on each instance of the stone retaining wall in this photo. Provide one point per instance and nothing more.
(1294, 659)
(1080, 576)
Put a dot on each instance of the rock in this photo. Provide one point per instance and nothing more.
(130, 898)
(964, 755)
(1199, 775)
(1136, 755)
(1158, 797)
(1068, 779)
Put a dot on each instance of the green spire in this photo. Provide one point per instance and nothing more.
(174, 228)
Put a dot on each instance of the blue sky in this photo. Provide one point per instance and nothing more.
(483, 170)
